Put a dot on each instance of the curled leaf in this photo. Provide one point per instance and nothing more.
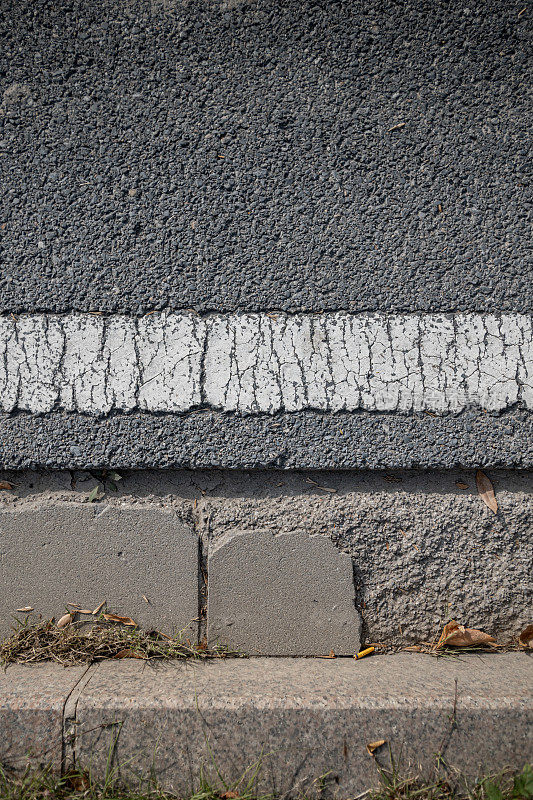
(96, 494)
(371, 746)
(122, 620)
(129, 654)
(99, 608)
(455, 635)
(65, 620)
(5, 485)
(486, 491)
(526, 637)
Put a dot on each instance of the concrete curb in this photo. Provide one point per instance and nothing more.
(301, 718)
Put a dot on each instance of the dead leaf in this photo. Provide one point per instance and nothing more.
(455, 635)
(79, 782)
(96, 494)
(129, 654)
(371, 746)
(122, 620)
(397, 127)
(25, 610)
(486, 491)
(65, 620)
(526, 637)
(331, 655)
(5, 485)
(461, 485)
(229, 795)
(99, 608)
(83, 611)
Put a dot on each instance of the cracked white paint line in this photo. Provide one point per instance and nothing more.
(253, 363)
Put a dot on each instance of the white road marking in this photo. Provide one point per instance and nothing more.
(265, 363)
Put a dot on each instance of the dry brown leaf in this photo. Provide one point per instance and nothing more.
(5, 485)
(461, 485)
(129, 654)
(371, 746)
(122, 620)
(455, 635)
(526, 637)
(331, 655)
(65, 620)
(99, 608)
(486, 491)
(83, 611)
(79, 782)
(229, 795)
(25, 610)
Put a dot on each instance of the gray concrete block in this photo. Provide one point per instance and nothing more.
(303, 718)
(32, 699)
(291, 594)
(53, 554)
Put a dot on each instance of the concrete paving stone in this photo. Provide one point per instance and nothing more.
(291, 594)
(53, 554)
(32, 699)
(303, 718)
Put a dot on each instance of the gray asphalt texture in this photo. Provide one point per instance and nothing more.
(308, 440)
(292, 155)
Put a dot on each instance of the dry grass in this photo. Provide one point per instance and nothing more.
(88, 642)
(46, 785)
(505, 785)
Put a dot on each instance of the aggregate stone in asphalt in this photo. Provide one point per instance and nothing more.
(263, 155)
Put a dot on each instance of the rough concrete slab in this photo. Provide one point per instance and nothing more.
(422, 545)
(56, 554)
(291, 594)
(423, 548)
(303, 718)
(253, 155)
(303, 440)
(32, 699)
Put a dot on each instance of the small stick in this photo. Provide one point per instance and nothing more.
(397, 127)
